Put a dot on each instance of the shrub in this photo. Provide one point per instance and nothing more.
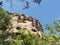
(4, 19)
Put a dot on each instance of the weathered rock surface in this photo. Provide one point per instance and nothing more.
(21, 21)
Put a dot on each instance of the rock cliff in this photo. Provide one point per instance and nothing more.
(21, 21)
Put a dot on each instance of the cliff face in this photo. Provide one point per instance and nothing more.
(21, 21)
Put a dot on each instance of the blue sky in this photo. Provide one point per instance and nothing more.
(46, 12)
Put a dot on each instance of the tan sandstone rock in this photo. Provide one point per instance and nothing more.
(21, 21)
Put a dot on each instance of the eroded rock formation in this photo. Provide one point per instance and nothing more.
(21, 21)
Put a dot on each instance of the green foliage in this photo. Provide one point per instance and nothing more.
(4, 19)
(25, 37)
(53, 37)
(28, 38)
(57, 25)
